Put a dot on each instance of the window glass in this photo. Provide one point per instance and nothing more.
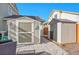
(24, 27)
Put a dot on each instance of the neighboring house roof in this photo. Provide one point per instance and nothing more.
(62, 20)
(14, 16)
(19, 16)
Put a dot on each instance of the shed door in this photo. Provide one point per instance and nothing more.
(25, 32)
(68, 33)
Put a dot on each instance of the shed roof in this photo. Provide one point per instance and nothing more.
(20, 16)
(69, 12)
(63, 21)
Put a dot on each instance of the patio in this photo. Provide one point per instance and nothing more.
(44, 48)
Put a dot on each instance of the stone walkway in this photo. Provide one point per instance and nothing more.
(44, 48)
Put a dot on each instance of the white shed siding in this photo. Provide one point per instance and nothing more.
(37, 32)
(68, 16)
(68, 33)
(59, 32)
(12, 30)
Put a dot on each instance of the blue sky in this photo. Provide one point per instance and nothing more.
(43, 10)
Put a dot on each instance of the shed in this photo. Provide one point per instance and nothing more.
(63, 31)
(24, 29)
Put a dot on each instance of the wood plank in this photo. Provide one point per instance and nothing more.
(77, 33)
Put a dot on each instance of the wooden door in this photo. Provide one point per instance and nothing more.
(45, 31)
(77, 33)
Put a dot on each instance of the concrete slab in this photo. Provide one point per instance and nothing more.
(44, 48)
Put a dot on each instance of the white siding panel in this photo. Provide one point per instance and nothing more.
(68, 33)
(59, 32)
(70, 16)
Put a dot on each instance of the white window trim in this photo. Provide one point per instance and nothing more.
(25, 32)
(8, 30)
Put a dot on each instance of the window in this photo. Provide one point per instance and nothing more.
(25, 32)
(25, 27)
(13, 26)
(25, 37)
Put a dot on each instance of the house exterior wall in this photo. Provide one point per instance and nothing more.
(68, 33)
(5, 25)
(1, 25)
(6, 10)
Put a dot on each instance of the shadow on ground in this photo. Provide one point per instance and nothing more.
(44, 40)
